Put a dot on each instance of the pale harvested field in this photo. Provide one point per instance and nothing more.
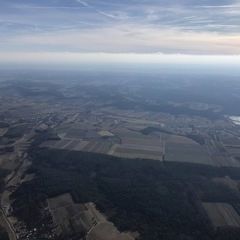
(107, 231)
(79, 145)
(8, 161)
(67, 144)
(3, 131)
(71, 144)
(136, 151)
(70, 217)
(60, 201)
(222, 214)
(227, 181)
(28, 178)
(62, 143)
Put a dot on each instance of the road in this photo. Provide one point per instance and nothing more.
(13, 180)
(7, 225)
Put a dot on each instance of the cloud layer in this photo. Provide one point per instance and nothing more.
(203, 27)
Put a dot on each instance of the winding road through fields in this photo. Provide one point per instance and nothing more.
(7, 225)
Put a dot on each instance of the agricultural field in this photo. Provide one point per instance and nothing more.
(123, 132)
(81, 133)
(7, 160)
(67, 144)
(82, 220)
(107, 231)
(119, 141)
(17, 131)
(134, 144)
(224, 161)
(229, 182)
(77, 130)
(98, 147)
(66, 215)
(79, 145)
(143, 141)
(231, 141)
(234, 151)
(220, 155)
(136, 151)
(231, 145)
(105, 134)
(222, 215)
(3, 131)
(182, 149)
(123, 136)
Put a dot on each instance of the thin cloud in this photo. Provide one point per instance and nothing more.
(131, 38)
(85, 4)
(183, 26)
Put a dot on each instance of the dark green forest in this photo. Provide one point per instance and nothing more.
(3, 234)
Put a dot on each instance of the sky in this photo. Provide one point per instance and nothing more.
(124, 30)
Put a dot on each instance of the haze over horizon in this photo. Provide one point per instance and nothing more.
(78, 31)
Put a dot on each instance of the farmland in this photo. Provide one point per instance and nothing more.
(122, 139)
(222, 215)
(81, 220)
(137, 151)
(76, 145)
(185, 150)
(99, 161)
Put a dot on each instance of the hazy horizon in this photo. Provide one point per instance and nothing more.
(91, 31)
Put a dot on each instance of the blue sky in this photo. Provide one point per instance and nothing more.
(175, 27)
